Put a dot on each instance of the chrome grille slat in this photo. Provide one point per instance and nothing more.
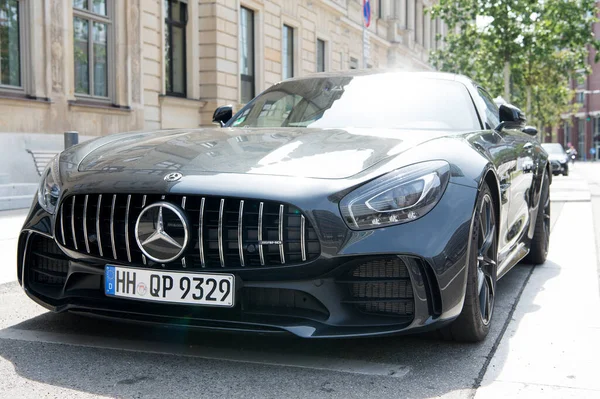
(201, 232)
(183, 201)
(127, 228)
(240, 233)
(85, 232)
(281, 251)
(62, 224)
(303, 237)
(112, 226)
(98, 236)
(73, 223)
(260, 235)
(220, 233)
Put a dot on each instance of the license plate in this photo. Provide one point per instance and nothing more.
(173, 287)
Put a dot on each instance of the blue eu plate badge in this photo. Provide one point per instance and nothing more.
(109, 278)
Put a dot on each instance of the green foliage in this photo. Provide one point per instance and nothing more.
(541, 43)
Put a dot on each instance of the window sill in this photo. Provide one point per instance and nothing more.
(19, 96)
(97, 106)
(181, 102)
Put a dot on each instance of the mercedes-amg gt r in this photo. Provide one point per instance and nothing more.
(335, 205)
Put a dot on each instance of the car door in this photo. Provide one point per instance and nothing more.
(500, 147)
(522, 178)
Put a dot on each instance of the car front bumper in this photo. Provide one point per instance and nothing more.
(559, 167)
(409, 277)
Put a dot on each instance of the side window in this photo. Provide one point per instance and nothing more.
(491, 109)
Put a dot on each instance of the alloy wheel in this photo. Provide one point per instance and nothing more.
(486, 259)
(546, 213)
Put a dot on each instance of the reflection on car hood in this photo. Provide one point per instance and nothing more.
(301, 152)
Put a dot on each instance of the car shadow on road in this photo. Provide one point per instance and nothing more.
(154, 358)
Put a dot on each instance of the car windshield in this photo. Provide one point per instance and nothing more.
(402, 101)
(553, 148)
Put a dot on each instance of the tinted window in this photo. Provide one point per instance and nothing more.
(491, 109)
(382, 100)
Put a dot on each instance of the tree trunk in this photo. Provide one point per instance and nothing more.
(507, 81)
(528, 105)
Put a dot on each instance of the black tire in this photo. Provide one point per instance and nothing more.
(538, 250)
(473, 324)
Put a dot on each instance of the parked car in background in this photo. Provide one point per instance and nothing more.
(559, 159)
(336, 205)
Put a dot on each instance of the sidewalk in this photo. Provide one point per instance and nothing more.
(10, 226)
(551, 347)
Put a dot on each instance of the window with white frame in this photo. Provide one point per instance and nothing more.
(288, 52)
(247, 79)
(11, 21)
(175, 47)
(92, 24)
(320, 55)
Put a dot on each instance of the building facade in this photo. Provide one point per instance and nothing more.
(582, 129)
(100, 67)
(107, 66)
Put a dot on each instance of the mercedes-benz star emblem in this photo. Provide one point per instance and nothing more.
(162, 232)
(171, 177)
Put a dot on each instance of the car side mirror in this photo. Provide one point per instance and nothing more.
(222, 115)
(530, 130)
(510, 116)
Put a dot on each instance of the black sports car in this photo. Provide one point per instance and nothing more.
(558, 157)
(347, 204)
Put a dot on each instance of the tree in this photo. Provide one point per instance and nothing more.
(527, 50)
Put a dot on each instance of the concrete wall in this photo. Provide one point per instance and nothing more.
(16, 164)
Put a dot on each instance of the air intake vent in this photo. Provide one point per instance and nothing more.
(381, 286)
(47, 264)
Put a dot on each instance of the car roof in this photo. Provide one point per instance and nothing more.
(397, 72)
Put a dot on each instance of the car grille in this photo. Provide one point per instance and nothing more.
(225, 232)
(381, 286)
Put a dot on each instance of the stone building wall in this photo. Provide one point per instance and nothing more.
(47, 102)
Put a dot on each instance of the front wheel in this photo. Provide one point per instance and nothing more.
(473, 324)
(541, 236)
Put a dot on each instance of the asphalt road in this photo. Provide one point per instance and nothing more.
(47, 355)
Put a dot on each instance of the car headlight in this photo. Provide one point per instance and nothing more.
(398, 197)
(49, 189)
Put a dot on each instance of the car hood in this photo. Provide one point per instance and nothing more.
(558, 157)
(299, 152)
